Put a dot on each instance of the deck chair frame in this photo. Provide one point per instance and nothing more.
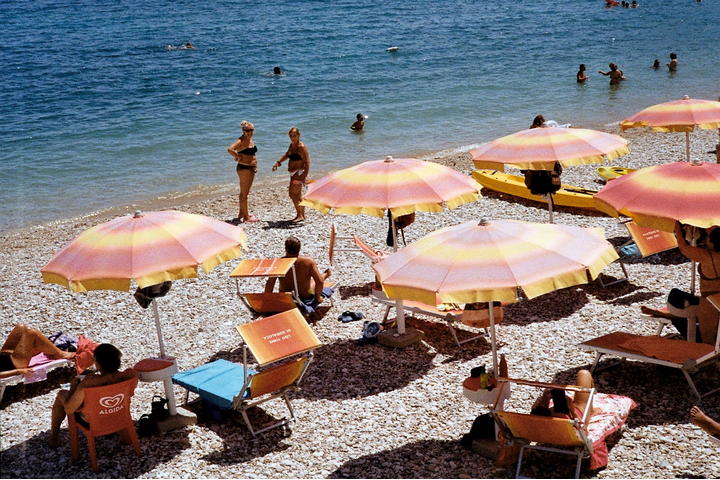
(686, 368)
(631, 227)
(582, 447)
(450, 318)
(40, 370)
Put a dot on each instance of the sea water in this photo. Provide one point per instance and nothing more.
(99, 108)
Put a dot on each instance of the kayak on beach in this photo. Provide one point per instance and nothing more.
(609, 173)
(567, 196)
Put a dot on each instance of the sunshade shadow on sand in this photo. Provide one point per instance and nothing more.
(349, 291)
(329, 378)
(34, 459)
(238, 443)
(281, 225)
(623, 293)
(20, 392)
(660, 392)
(546, 308)
(422, 459)
(437, 335)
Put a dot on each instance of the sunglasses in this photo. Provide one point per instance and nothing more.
(248, 129)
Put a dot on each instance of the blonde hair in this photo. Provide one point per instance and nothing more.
(245, 124)
(294, 129)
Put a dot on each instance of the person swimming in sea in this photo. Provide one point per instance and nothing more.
(656, 64)
(672, 66)
(359, 123)
(616, 75)
(581, 76)
(278, 71)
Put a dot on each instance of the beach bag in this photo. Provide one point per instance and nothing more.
(482, 427)
(684, 305)
(144, 296)
(158, 408)
(147, 426)
(64, 341)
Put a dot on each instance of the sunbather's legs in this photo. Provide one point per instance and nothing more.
(32, 342)
(580, 400)
(13, 337)
(57, 417)
(703, 421)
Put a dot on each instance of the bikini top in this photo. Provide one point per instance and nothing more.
(248, 151)
(294, 157)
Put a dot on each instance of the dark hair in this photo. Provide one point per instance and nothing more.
(582, 66)
(714, 236)
(107, 357)
(559, 401)
(277, 70)
(673, 55)
(538, 121)
(292, 245)
(360, 116)
(542, 411)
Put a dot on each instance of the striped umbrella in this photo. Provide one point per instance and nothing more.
(149, 248)
(401, 185)
(677, 116)
(493, 262)
(540, 148)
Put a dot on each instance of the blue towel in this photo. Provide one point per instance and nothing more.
(217, 382)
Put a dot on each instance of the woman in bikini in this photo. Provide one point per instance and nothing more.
(21, 345)
(708, 259)
(243, 151)
(298, 166)
(564, 406)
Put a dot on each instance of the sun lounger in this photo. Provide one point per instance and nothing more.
(273, 341)
(681, 354)
(41, 365)
(452, 316)
(643, 243)
(567, 436)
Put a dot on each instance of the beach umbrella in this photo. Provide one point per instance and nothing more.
(677, 116)
(494, 261)
(147, 248)
(540, 148)
(660, 195)
(400, 185)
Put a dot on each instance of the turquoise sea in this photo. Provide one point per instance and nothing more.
(98, 111)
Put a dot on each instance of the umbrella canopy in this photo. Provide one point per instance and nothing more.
(540, 148)
(403, 185)
(660, 195)
(492, 261)
(148, 248)
(677, 116)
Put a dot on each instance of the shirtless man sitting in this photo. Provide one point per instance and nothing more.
(309, 279)
(67, 402)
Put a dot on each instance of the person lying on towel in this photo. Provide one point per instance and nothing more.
(21, 345)
(565, 406)
(309, 279)
(67, 402)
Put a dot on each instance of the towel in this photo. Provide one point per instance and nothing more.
(84, 357)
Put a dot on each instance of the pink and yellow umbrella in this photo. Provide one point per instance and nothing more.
(677, 116)
(493, 262)
(402, 185)
(659, 196)
(540, 148)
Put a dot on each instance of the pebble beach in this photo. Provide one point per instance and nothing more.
(363, 411)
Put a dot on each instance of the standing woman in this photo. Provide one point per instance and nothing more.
(298, 166)
(243, 151)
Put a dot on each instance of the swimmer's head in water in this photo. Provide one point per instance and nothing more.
(673, 56)
(277, 70)
(582, 67)
(360, 116)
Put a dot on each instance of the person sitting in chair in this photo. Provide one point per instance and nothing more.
(309, 279)
(564, 406)
(21, 345)
(68, 402)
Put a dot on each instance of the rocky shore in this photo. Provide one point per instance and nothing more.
(364, 411)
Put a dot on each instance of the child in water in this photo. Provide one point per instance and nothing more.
(672, 66)
(359, 123)
(581, 77)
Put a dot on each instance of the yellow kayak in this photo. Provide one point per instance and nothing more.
(609, 173)
(567, 196)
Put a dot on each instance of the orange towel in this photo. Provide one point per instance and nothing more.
(84, 358)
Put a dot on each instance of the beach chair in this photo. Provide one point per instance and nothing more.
(643, 243)
(451, 314)
(40, 365)
(579, 437)
(684, 355)
(105, 410)
(273, 341)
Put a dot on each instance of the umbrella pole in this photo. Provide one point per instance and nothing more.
(169, 393)
(550, 207)
(493, 341)
(399, 307)
(157, 326)
(693, 242)
(687, 146)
